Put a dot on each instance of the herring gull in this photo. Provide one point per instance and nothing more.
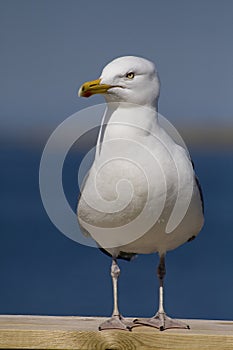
(141, 194)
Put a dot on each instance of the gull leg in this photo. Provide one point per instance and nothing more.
(116, 321)
(161, 320)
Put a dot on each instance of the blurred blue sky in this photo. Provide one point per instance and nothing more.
(48, 48)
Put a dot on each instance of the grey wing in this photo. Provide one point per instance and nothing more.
(200, 192)
(199, 188)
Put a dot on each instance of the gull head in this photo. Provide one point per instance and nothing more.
(127, 79)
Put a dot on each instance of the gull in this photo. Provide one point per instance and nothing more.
(141, 194)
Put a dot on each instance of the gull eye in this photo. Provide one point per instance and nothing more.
(130, 75)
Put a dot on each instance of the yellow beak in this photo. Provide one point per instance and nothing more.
(93, 87)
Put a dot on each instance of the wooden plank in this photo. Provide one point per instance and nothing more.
(50, 332)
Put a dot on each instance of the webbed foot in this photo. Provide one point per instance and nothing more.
(116, 322)
(162, 322)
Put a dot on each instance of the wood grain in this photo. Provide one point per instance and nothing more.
(50, 332)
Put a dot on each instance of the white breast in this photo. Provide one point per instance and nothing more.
(133, 187)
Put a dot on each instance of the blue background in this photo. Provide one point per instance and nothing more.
(48, 49)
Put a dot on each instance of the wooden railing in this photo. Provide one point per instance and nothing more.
(52, 332)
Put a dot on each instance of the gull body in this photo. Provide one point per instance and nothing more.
(141, 194)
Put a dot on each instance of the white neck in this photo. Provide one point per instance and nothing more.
(124, 120)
